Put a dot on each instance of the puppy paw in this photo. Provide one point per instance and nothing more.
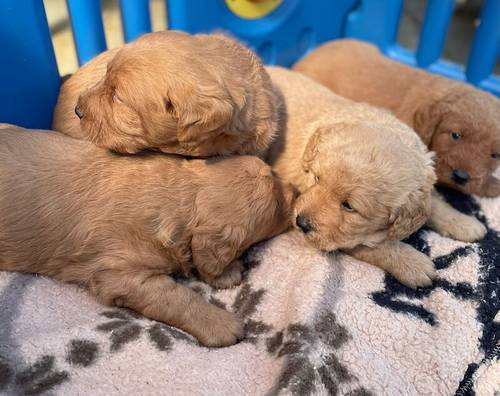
(221, 329)
(462, 228)
(418, 270)
(232, 276)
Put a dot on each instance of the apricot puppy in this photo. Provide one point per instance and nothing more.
(460, 123)
(364, 177)
(194, 95)
(121, 225)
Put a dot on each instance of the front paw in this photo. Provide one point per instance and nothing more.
(220, 328)
(232, 276)
(418, 270)
(462, 228)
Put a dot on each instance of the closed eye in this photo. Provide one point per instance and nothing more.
(117, 99)
(347, 206)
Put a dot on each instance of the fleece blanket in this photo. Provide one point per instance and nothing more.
(316, 323)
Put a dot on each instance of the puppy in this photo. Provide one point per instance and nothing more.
(194, 95)
(460, 123)
(121, 225)
(364, 177)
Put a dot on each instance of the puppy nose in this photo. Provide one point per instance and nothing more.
(460, 176)
(304, 224)
(78, 111)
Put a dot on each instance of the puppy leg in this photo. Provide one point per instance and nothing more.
(409, 266)
(452, 223)
(159, 297)
(230, 277)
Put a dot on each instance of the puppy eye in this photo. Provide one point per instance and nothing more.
(456, 135)
(347, 206)
(495, 155)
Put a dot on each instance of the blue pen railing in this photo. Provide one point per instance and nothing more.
(30, 79)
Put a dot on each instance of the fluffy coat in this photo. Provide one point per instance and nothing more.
(460, 123)
(364, 177)
(122, 225)
(195, 95)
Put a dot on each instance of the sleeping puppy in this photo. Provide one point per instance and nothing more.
(460, 123)
(194, 95)
(121, 225)
(364, 177)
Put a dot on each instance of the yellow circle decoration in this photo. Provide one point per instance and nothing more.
(252, 9)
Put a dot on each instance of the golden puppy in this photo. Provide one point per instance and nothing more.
(460, 123)
(364, 177)
(120, 225)
(198, 95)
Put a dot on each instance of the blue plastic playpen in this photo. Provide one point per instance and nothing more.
(30, 79)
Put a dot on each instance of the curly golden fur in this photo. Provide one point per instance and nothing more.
(120, 225)
(434, 106)
(364, 177)
(195, 95)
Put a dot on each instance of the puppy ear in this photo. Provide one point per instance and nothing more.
(312, 149)
(413, 214)
(407, 219)
(427, 118)
(201, 111)
(491, 187)
(214, 249)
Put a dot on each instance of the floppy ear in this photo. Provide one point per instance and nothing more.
(427, 118)
(214, 249)
(202, 110)
(312, 149)
(407, 219)
(491, 187)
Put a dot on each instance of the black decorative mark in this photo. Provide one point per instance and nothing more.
(389, 297)
(6, 373)
(465, 386)
(33, 379)
(122, 328)
(160, 337)
(39, 377)
(274, 343)
(250, 257)
(295, 343)
(247, 300)
(82, 352)
(254, 329)
(126, 326)
(360, 392)
(485, 294)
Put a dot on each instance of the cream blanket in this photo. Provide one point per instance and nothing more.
(316, 324)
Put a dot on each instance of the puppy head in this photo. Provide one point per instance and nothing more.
(242, 203)
(463, 129)
(366, 185)
(178, 93)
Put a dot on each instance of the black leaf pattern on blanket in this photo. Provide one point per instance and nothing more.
(82, 352)
(485, 294)
(125, 326)
(304, 374)
(33, 379)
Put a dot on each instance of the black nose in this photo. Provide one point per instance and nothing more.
(460, 176)
(304, 224)
(78, 112)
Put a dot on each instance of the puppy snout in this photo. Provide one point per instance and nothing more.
(304, 224)
(78, 111)
(460, 176)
